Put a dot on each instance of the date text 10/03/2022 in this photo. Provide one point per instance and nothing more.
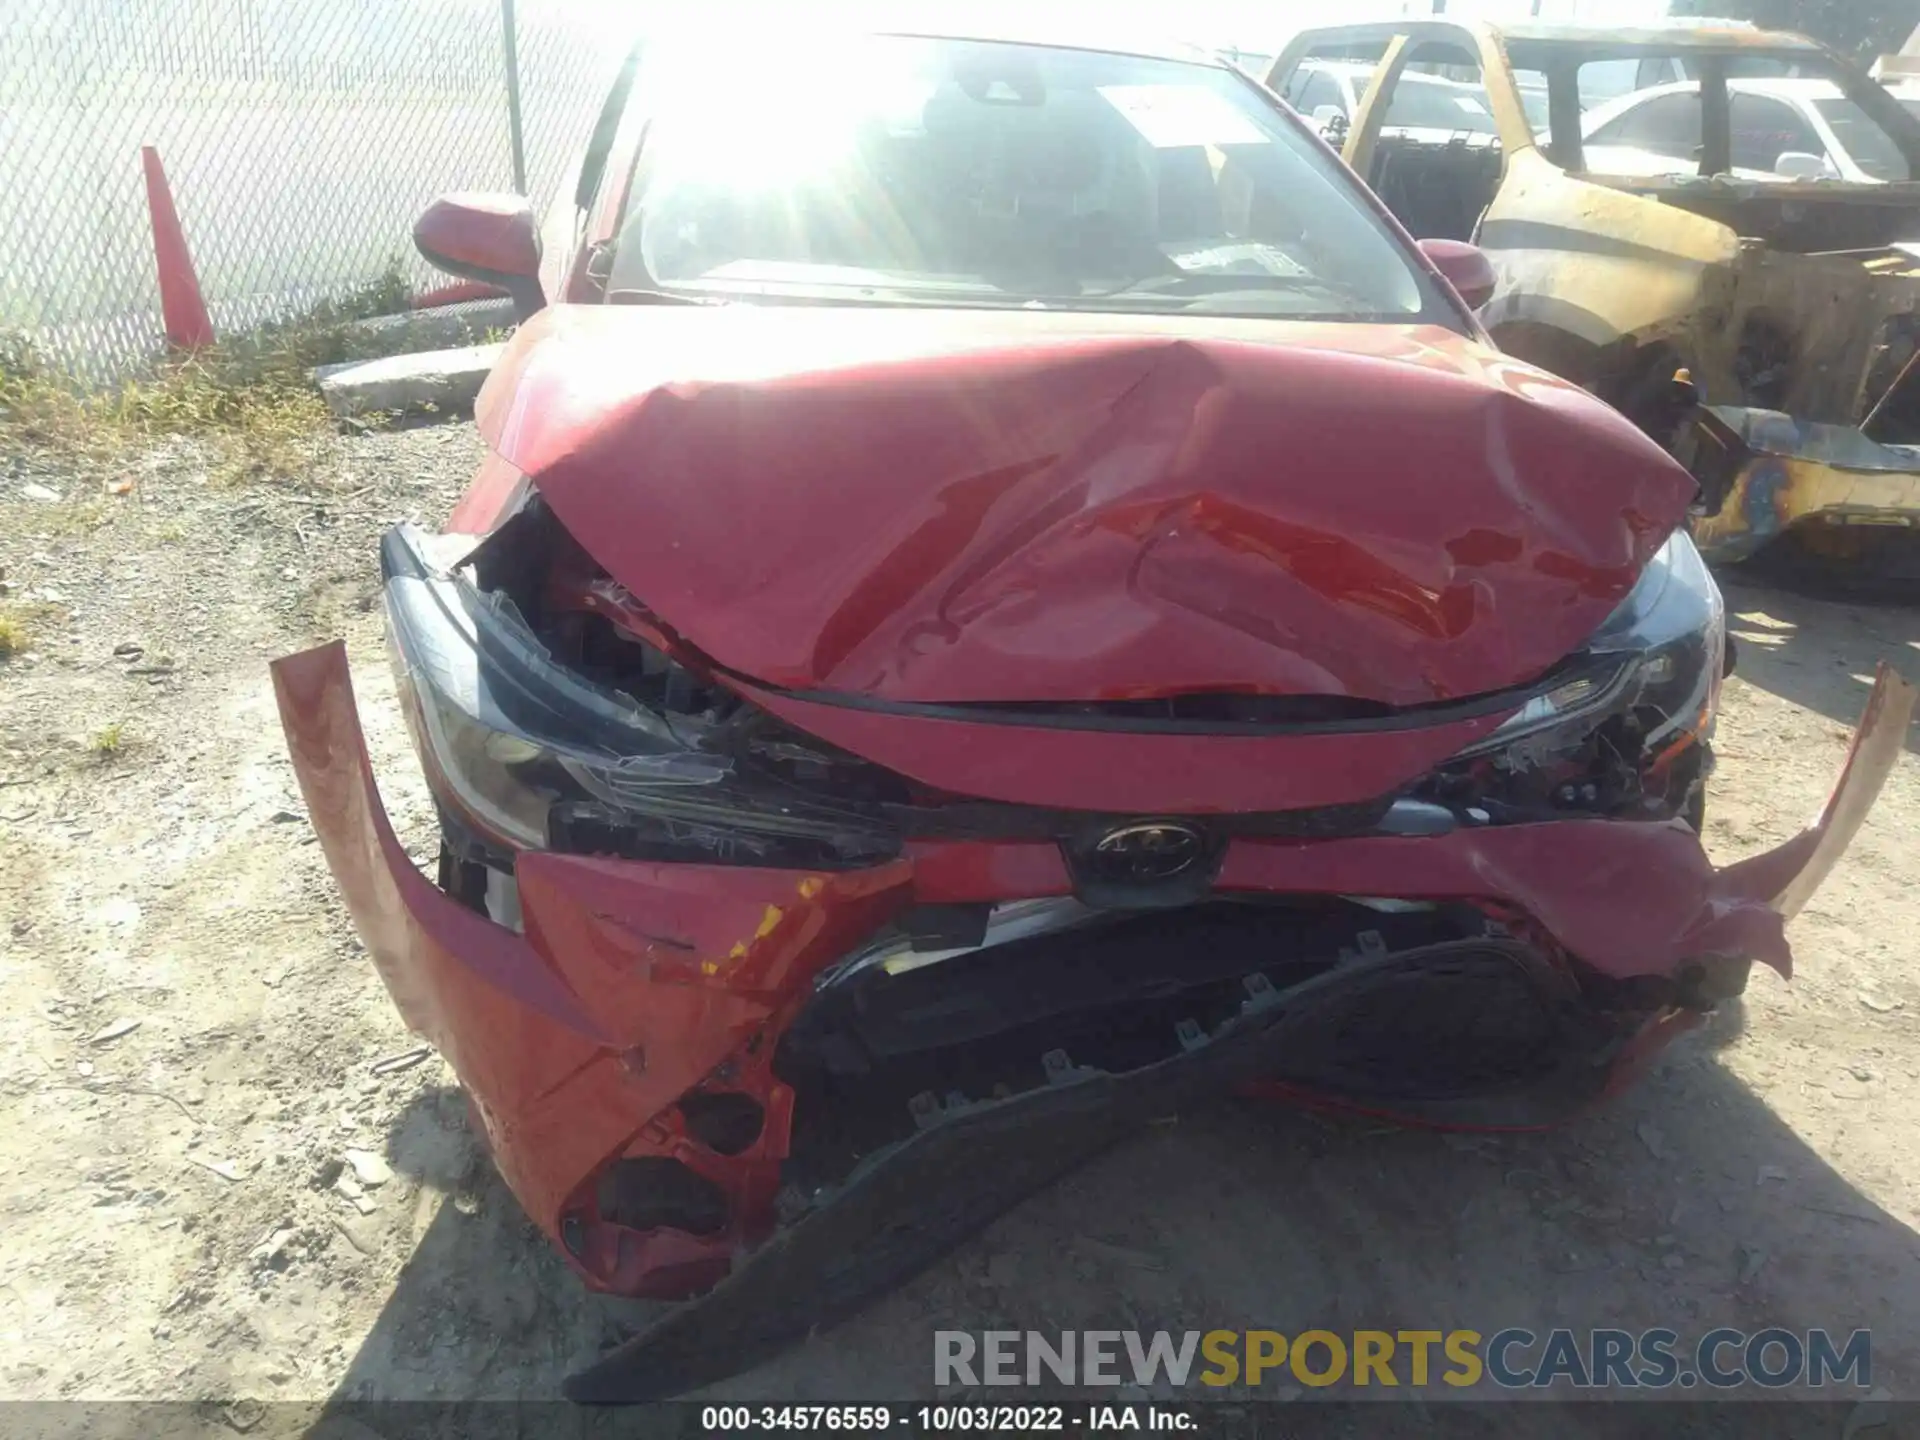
(1599, 1359)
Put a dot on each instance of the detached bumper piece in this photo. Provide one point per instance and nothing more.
(787, 1091)
(1845, 498)
(971, 1161)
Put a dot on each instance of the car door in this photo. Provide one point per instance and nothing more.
(1311, 72)
(1657, 134)
(1317, 93)
(1432, 145)
(1765, 128)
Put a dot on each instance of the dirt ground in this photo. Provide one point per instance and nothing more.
(189, 1035)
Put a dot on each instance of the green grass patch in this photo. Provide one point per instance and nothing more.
(15, 634)
(250, 397)
(22, 622)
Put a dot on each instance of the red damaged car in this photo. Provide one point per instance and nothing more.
(1007, 596)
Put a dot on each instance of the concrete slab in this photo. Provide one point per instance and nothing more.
(472, 322)
(438, 379)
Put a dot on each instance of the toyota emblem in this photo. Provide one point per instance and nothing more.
(1150, 850)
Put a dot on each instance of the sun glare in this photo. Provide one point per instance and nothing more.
(784, 118)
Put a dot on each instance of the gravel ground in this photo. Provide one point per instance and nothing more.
(210, 1189)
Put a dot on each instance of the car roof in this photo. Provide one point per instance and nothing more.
(1616, 40)
(1689, 32)
(1788, 87)
(1714, 35)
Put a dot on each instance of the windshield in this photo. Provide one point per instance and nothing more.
(905, 170)
(1423, 104)
(1428, 102)
(1861, 137)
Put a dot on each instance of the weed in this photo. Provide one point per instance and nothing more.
(249, 397)
(108, 739)
(22, 621)
(74, 517)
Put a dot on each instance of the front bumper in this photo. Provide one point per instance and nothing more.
(633, 984)
(1765, 475)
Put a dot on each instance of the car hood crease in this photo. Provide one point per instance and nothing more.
(956, 507)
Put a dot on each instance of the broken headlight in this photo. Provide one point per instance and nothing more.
(1624, 731)
(534, 756)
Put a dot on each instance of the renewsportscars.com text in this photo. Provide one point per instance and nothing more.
(1508, 1359)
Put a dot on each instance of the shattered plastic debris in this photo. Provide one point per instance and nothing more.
(349, 1190)
(369, 1169)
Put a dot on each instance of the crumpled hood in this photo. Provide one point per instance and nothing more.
(952, 506)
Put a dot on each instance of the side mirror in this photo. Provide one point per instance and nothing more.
(1465, 266)
(1802, 165)
(1329, 120)
(487, 237)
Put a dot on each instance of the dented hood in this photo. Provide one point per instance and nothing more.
(1013, 506)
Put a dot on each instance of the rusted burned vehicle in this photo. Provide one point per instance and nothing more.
(1016, 603)
(1736, 203)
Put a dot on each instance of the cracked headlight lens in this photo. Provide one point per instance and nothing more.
(1624, 732)
(1662, 649)
(536, 756)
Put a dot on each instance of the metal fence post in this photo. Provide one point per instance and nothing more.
(514, 138)
(255, 104)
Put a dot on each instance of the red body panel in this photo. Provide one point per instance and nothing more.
(637, 982)
(974, 506)
(1116, 770)
(479, 509)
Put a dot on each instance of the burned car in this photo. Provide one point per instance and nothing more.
(1737, 204)
(1017, 603)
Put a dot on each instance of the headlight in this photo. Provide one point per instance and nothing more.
(536, 756)
(1674, 624)
(1645, 685)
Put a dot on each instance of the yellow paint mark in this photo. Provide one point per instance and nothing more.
(739, 951)
(768, 922)
(707, 967)
(811, 886)
(1762, 619)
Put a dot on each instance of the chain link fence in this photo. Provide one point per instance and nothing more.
(301, 138)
